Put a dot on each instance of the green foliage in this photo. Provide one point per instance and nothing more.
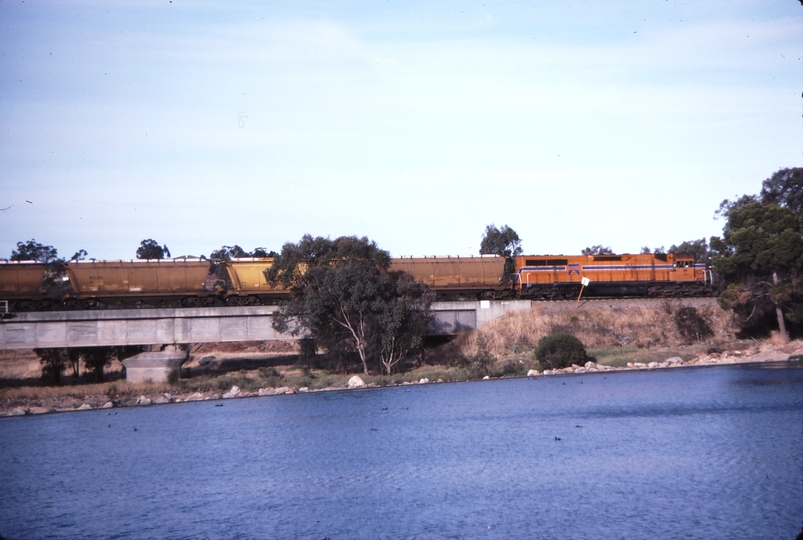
(150, 249)
(401, 320)
(308, 352)
(597, 250)
(34, 251)
(646, 250)
(518, 370)
(229, 252)
(79, 255)
(483, 360)
(235, 252)
(691, 325)
(454, 358)
(504, 242)
(698, 248)
(53, 361)
(760, 256)
(345, 296)
(785, 188)
(759, 240)
(760, 263)
(263, 252)
(557, 351)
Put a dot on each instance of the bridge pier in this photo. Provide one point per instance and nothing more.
(161, 366)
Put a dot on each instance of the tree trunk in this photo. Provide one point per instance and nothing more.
(779, 313)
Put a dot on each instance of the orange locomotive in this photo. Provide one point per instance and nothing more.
(654, 275)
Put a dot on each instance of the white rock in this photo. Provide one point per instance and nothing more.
(638, 364)
(674, 360)
(580, 370)
(423, 381)
(355, 382)
(234, 392)
(484, 378)
(141, 401)
(652, 365)
(197, 396)
(84, 407)
(107, 405)
(303, 390)
(161, 400)
(590, 365)
(532, 373)
(273, 391)
(39, 410)
(17, 411)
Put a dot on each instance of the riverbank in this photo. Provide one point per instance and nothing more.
(255, 374)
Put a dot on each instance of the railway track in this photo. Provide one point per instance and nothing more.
(656, 303)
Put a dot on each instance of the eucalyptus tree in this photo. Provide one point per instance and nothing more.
(760, 262)
(150, 249)
(345, 297)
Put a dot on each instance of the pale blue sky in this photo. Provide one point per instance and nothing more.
(622, 123)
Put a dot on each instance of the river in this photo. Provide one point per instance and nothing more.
(681, 453)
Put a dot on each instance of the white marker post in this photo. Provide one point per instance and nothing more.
(583, 283)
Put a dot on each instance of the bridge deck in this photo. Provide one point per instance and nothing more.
(196, 325)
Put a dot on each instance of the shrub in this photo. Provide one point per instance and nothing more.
(483, 360)
(691, 325)
(557, 351)
(512, 369)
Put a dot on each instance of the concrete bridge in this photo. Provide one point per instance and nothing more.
(177, 326)
(174, 327)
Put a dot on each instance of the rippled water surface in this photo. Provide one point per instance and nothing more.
(684, 453)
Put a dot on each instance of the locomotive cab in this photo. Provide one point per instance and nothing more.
(684, 260)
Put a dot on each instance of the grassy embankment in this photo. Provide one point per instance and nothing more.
(614, 336)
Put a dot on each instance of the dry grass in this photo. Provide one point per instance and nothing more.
(599, 326)
(109, 390)
(776, 338)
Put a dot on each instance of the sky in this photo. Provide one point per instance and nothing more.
(200, 124)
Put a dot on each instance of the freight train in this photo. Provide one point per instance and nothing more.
(192, 282)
